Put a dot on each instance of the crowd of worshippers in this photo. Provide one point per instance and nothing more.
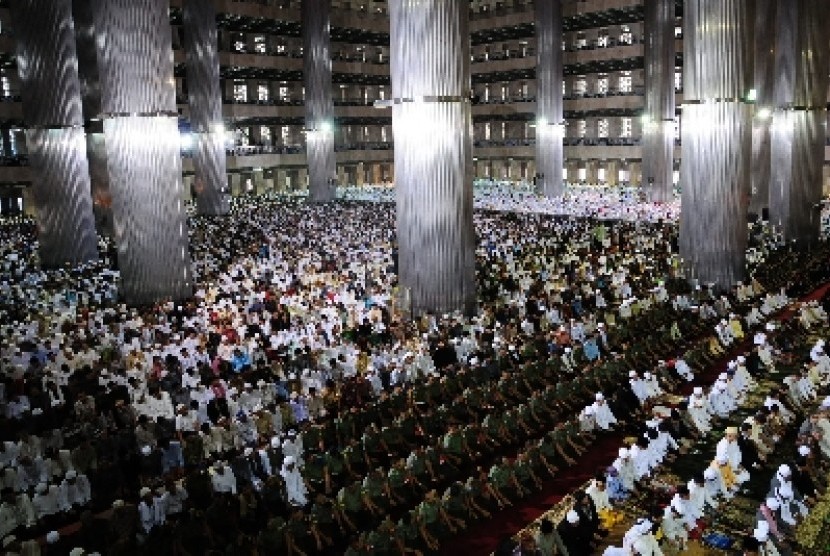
(284, 409)
(612, 203)
(665, 432)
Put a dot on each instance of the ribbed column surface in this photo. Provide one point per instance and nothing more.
(658, 127)
(142, 143)
(48, 67)
(549, 116)
(802, 65)
(765, 22)
(319, 105)
(84, 18)
(716, 138)
(431, 122)
(205, 100)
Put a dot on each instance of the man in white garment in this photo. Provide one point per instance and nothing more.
(727, 449)
(596, 490)
(699, 496)
(625, 469)
(294, 484)
(602, 413)
(638, 386)
(700, 410)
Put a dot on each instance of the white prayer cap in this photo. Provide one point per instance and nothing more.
(588, 411)
(632, 374)
(623, 453)
(145, 450)
(289, 460)
(698, 391)
(144, 492)
(647, 375)
(52, 537)
(770, 326)
(741, 359)
(710, 474)
(276, 442)
(77, 551)
(567, 350)
(599, 396)
(71, 474)
(118, 503)
(732, 365)
(784, 470)
(248, 451)
(804, 451)
(572, 517)
(723, 376)
(773, 503)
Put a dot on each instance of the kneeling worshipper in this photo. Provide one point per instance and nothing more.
(673, 528)
(700, 411)
(602, 413)
(729, 450)
(699, 496)
(769, 513)
(721, 399)
(598, 492)
(791, 507)
(626, 470)
(765, 545)
(573, 535)
(614, 486)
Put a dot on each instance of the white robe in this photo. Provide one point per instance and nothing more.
(295, 486)
(604, 418)
(700, 410)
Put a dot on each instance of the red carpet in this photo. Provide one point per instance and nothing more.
(485, 537)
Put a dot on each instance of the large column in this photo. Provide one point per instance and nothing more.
(143, 148)
(658, 125)
(96, 152)
(319, 106)
(205, 100)
(802, 61)
(550, 122)
(52, 107)
(716, 139)
(431, 123)
(765, 23)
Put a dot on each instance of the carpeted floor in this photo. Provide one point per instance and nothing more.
(486, 536)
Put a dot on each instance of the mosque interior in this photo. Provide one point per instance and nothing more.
(519, 277)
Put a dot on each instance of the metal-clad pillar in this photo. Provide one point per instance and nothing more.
(715, 173)
(47, 63)
(550, 123)
(96, 152)
(143, 149)
(432, 125)
(802, 64)
(205, 100)
(658, 124)
(765, 23)
(319, 106)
